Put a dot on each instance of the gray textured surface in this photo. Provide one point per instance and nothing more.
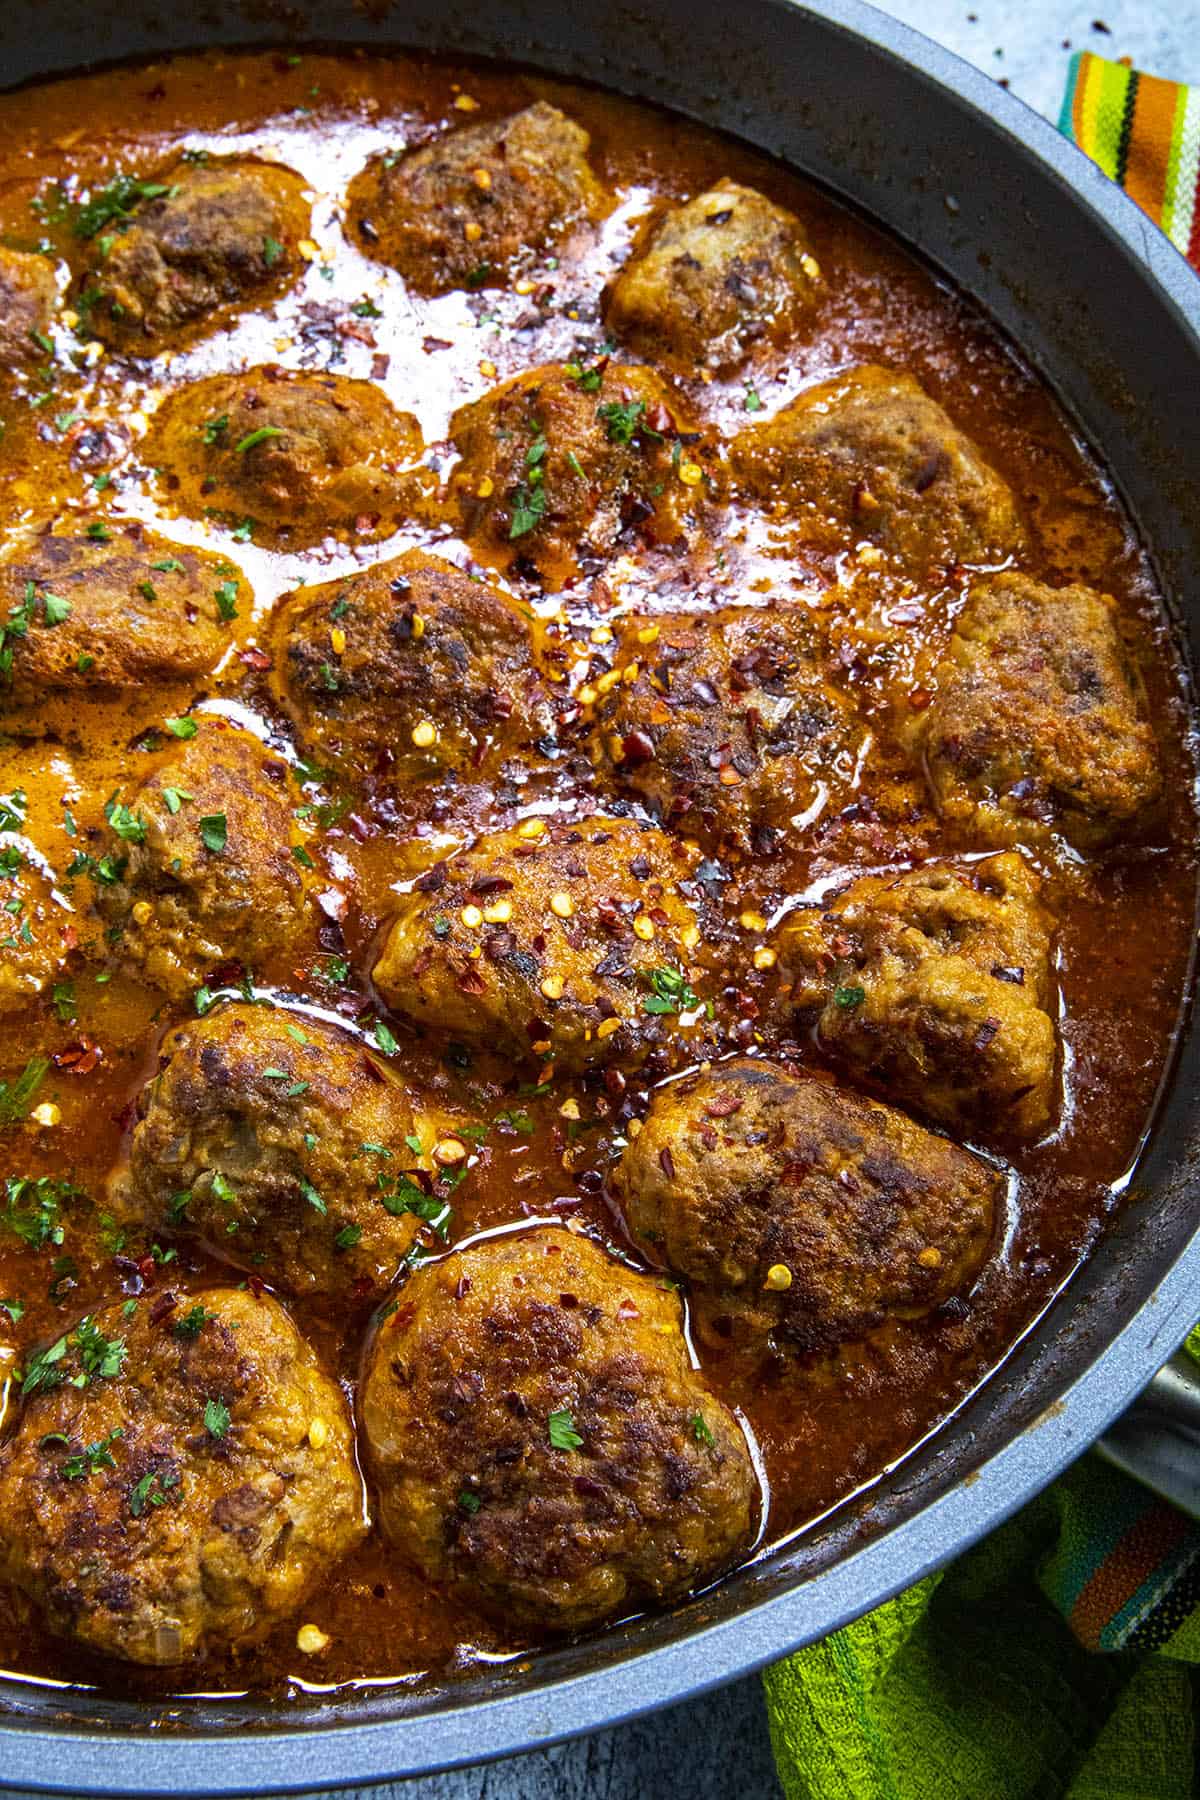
(717, 1748)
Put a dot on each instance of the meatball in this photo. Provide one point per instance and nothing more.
(1038, 726)
(724, 725)
(710, 279)
(572, 944)
(869, 455)
(181, 1479)
(936, 983)
(303, 453)
(560, 461)
(121, 613)
(193, 243)
(539, 1441)
(801, 1211)
(474, 206)
(283, 1144)
(199, 869)
(28, 297)
(412, 658)
(37, 927)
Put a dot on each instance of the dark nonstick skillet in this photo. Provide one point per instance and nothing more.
(1108, 312)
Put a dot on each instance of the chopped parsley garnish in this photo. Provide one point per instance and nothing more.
(12, 810)
(143, 1495)
(669, 991)
(32, 1206)
(469, 1502)
(170, 565)
(226, 599)
(182, 728)
(92, 1457)
(528, 507)
(560, 1427)
(99, 532)
(56, 608)
(366, 308)
(188, 1328)
(407, 1197)
(14, 1309)
(16, 1097)
(622, 419)
(213, 430)
(216, 1418)
(125, 823)
(384, 1038)
(752, 402)
(589, 379)
(100, 1359)
(257, 437)
(272, 251)
(701, 1432)
(347, 1237)
(311, 1195)
(849, 997)
(114, 204)
(214, 832)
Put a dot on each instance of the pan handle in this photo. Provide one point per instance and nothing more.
(1158, 1440)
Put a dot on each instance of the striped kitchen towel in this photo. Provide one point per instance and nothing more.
(1145, 134)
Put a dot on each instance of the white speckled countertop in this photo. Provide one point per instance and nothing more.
(717, 1748)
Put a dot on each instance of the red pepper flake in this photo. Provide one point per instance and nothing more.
(256, 1285)
(724, 1107)
(920, 698)
(462, 1287)
(80, 1058)
(254, 658)
(627, 1310)
(430, 344)
(366, 522)
(163, 1307)
(666, 1162)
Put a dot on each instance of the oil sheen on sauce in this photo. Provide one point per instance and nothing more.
(1123, 939)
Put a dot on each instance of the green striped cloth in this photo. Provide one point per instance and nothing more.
(984, 1682)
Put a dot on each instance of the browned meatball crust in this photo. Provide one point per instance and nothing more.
(539, 1441)
(936, 983)
(724, 724)
(869, 455)
(1038, 726)
(38, 928)
(181, 1478)
(205, 237)
(284, 1144)
(477, 204)
(305, 454)
(710, 279)
(564, 944)
(799, 1211)
(28, 297)
(201, 851)
(567, 460)
(411, 659)
(123, 613)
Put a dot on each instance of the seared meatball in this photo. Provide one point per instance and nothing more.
(305, 454)
(728, 729)
(550, 944)
(802, 1211)
(710, 279)
(201, 854)
(936, 983)
(558, 462)
(37, 926)
(181, 1479)
(126, 612)
(412, 658)
(1038, 726)
(539, 1441)
(282, 1143)
(203, 237)
(475, 205)
(28, 296)
(869, 455)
